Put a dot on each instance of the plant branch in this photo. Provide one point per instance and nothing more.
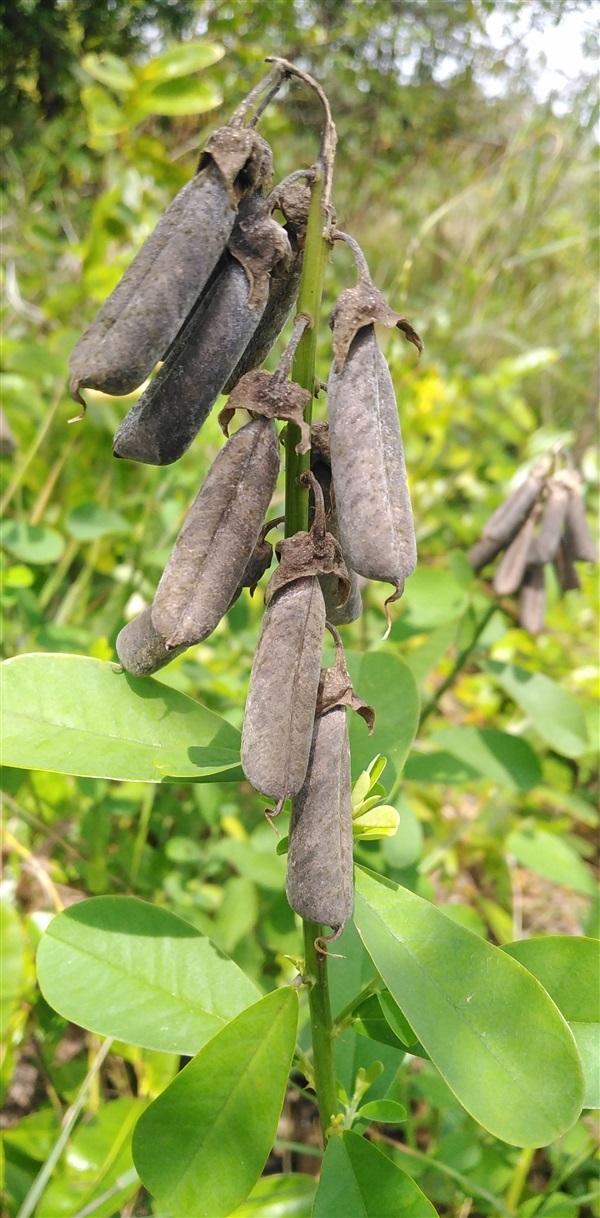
(458, 665)
(315, 966)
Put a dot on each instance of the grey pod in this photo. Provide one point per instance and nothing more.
(566, 572)
(506, 521)
(553, 521)
(319, 881)
(367, 461)
(143, 314)
(511, 568)
(220, 532)
(533, 599)
(320, 464)
(581, 540)
(141, 649)
(282, 696)
(168, 416)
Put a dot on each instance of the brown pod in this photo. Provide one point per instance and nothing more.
(581, 540)
(553, 521)
(141, 649)
(506, 521)
(319, 882)
(282, 696)
(566, 572)
(143, 314)
(484, 551)
(168, 416)
(533, 599)
(338, 614)
(220, 532)
(511, 569)
(293, 200)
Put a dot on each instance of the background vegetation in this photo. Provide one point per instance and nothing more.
(476, 205)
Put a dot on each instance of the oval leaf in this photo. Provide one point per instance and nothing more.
(495, 1036)
(553, 711)
(184, 95)
(34, 543)
(358, 1181)
(285, 1196)
(123, 968)
(90, 520)
(202, 1145)
(386, 683)
(109, 70)
(568, 966)
(384, 1111)
(182, 59)
(552, 857)
(507, 760)
(76, 715)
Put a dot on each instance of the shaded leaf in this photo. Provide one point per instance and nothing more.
(386, 683)
(358, 1181)
(553, 711)
(89, 521)
(34, 543)
(552, 857)
(508, 760)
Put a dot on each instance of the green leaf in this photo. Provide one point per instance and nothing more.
(550, 856)
(183, 95)
(358, 1181)
(495, 1036)
(109, 70)
(182, 59)
(433, 597)
(387, 684)
(12, 955)
(439, 766)
(32, 542)
(370, 1021)
(553, 711)
(568, 966)
(105, 116)
(76, 715)
(202, 1145)
(285, 1196)
(90, 520)
(507, 760)
(386, 1112)
(123, 968)
(99, 1161)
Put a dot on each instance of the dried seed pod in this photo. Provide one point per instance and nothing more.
(511, 569)
(271, 394)
(553, 520)
(293, 200)
(335, 686)
(168, 416)
(220, 532)
(143, 314)
(566, 572)
(282, 695)
(506, 521)
(581, 540)
(533, 599)
(319, 882)
(141, 649)
(367, 458)
(312, 553)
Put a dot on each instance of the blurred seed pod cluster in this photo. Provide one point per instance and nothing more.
(542, 522)
(209, 294)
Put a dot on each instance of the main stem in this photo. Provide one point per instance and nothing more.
(296, 519)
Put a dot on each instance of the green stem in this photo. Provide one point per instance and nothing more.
(315, 967)
(519, 1179)
(459, 664)
(316, 251)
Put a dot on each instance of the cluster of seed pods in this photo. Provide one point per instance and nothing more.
(209, 294)
(543, 521)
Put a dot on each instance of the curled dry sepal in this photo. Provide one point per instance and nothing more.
(271, 395)
(335, 686)
(543, 521)
(311, 553)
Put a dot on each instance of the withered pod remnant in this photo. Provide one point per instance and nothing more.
(166, 419)
(218, 537)
(506, 521)
(319, 882)
(143, 314)
(372, 499)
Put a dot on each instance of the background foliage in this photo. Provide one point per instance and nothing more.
(476, 206)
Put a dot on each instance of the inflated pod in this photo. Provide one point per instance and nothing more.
(581, 540)
(511, 568)
(282, 696)
(284, 285)
(141, 649)
(508, 518)
(220, 532)
(319, 881)
(372, 499)
(338, 614)
(566, 572)
(143, 314)
(169, 414)
(533, 599)
(553, 521)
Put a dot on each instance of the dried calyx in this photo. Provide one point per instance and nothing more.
(362, 305)
(311, 553)
(335, 686)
